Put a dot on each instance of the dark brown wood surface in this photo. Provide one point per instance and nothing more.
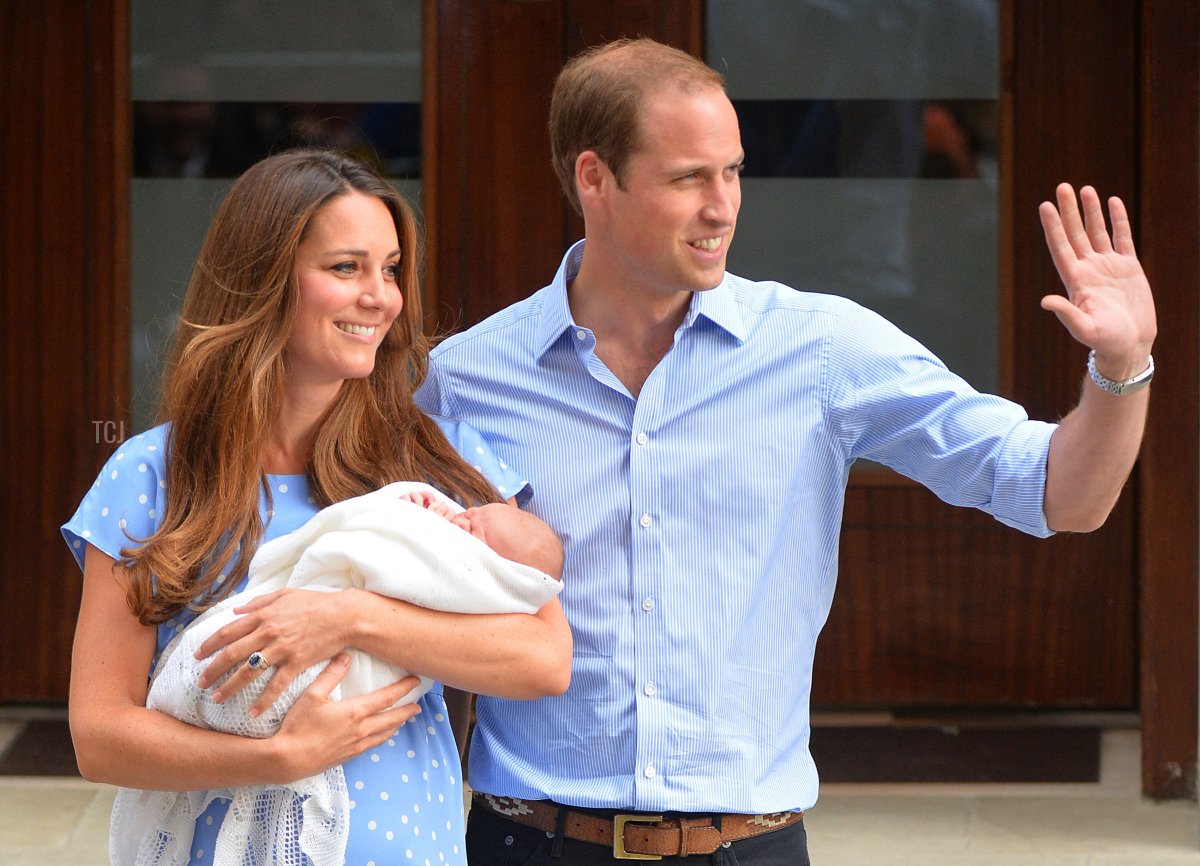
(497, 223)
(63, 156)
(939, 606)
(495, 230)
(1169, 478)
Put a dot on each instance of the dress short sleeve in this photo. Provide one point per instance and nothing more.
(470, 443)
(125, 504)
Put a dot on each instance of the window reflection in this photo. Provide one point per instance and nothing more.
(868, 137)
(855, 49)
(223, 139)
(870, 132)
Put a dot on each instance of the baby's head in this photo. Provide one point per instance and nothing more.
(515, 535)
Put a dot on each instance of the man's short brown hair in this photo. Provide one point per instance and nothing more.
(599, 94)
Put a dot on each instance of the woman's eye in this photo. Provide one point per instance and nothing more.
(344, 267)
(390, 271)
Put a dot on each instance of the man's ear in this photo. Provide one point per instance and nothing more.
(590, 176)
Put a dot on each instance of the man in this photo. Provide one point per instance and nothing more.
(689, 435)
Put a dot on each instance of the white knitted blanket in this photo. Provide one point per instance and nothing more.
(377, 542)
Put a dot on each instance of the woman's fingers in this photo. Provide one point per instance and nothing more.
(327, 680)
(259, 601)
(253, 668)
(383, 698)
(283, 678)
(323, 732)
(381, 717)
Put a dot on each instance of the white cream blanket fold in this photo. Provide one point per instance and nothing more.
(377, 542)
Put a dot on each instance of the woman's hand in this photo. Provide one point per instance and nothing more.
(292, 629)
(118, 741)
(319, 733)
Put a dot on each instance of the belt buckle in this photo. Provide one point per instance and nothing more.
(619, 822)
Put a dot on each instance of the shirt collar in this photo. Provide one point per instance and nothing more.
(717, 305)
(556, 312)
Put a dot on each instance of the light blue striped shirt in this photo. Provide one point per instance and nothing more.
(701, 525)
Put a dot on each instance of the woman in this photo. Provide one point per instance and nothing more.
(289, 388)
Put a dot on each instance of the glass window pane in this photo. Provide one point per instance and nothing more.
(216, 87)
(855, 49)
(260, 51)
(871, 168)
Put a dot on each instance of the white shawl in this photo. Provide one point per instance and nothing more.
(376, 542)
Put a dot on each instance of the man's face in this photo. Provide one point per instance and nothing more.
(670, 226)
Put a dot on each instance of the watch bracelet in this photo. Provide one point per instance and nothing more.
(1119, 389)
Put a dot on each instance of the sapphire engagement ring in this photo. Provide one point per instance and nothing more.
(258, 661)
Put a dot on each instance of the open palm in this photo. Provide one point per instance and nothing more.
(1108, 305)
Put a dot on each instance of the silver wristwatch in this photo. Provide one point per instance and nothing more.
(1141, 380)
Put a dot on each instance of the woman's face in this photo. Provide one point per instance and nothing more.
(346, 269)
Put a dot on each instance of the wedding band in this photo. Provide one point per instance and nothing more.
(258, 661)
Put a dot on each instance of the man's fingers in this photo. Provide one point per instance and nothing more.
(1122, 233)
(1072, 222)
(1061, 251)
(1072, 318)
(1093, 215)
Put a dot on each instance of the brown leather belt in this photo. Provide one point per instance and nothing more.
(636, 836)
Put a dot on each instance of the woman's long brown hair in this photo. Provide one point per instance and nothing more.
(224, 380)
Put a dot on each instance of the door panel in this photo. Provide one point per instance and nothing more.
(939, 606)
(62, 279)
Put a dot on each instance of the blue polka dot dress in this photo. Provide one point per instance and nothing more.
(406, 797)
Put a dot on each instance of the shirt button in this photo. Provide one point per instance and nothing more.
(642, 439)
(581, 335)
(649, 772)
(645, 521)
(648, 605)
(650, 690)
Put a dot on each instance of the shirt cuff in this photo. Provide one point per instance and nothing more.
(1019, 487)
